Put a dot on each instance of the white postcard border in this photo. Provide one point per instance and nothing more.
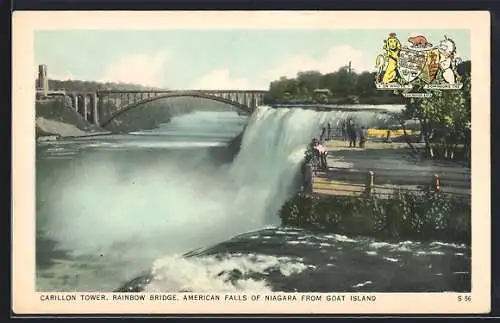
(26, 301)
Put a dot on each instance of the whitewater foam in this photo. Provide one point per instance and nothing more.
(219, 274)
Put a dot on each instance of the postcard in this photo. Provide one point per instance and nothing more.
(288, 162)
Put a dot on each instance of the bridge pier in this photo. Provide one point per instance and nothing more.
(95, 109)
(129, 96)
(252, 101)
(79, 101)
(74, 101)
(243, 99)
(85, 106)
(247, 99)
(239, 98)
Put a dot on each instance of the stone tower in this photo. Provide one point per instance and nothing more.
(43, 80)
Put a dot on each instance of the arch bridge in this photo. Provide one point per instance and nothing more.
(103, 106)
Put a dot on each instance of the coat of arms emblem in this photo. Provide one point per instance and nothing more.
(418, 61)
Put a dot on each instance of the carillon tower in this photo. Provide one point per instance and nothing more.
(43, 80)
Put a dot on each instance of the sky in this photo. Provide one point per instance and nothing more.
(215, 59)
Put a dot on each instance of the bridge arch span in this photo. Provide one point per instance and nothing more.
(241, 107)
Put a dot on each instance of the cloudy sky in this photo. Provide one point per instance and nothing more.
(208, 59)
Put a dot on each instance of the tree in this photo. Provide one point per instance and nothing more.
(444, 117)
(343, 85)
(91, 86)
(310, 80)
(283, 88)
(365, 84)
(343, 82)
(327, 81)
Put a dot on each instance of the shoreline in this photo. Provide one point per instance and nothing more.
(54, 120)
(86, 135)
(403, 216)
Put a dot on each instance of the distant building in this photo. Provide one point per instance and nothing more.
(322, 91)
(321, 95)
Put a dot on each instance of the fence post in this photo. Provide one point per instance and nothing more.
(436, 184)
(369, 183)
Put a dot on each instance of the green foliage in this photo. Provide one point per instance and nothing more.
(445, 116)
(404, 215)
(344, 86)
(92, 86)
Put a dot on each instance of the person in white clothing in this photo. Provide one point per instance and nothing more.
(322, 153)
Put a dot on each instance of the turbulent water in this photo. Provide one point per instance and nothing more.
(160, 206)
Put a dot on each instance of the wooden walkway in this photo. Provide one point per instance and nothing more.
(392, 169)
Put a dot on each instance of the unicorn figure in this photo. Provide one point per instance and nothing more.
(447, 60)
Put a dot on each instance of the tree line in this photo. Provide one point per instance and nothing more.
(341, 86)
(93, 86)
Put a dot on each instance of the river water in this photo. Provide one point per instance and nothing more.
(166, 210)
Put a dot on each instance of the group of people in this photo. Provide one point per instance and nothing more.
(315, 159)
(317, 153)
(350, 134)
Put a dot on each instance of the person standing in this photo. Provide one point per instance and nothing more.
(351, 133)
(345, 134)
(388, 137)
(329, 131)
(323, 134)
(322, 154)
(363, 134)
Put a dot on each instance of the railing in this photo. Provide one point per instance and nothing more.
(355, 183)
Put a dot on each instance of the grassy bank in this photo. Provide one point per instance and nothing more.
(404, 215)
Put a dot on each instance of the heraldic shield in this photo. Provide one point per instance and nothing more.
(411, 63)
